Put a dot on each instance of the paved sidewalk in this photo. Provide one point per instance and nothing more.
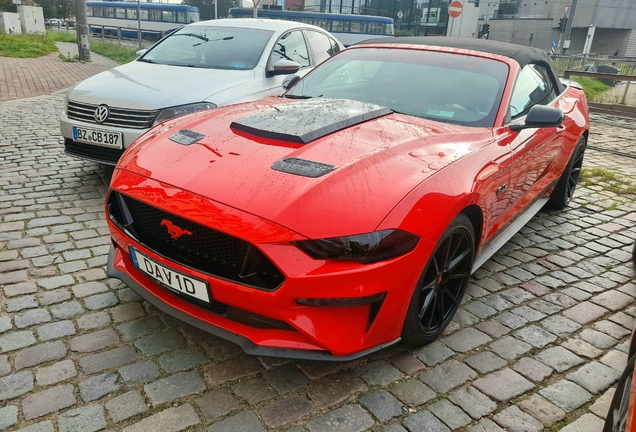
(23, 78)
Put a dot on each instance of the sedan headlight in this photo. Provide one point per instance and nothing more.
(181, 110)
(364, 248)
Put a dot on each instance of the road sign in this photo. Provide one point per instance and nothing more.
(566, 8)
(455, 9)
(554, 44)
(400, 15)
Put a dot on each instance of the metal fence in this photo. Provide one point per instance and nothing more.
(563, 63)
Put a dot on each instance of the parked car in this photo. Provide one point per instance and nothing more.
(348, 214)
(620, 416)
(201, 66)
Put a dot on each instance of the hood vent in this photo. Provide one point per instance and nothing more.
(306, 121)
(186, 136)
(303, 167)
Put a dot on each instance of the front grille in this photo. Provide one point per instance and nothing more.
(101, 154)
(133, 119)
(206, 250)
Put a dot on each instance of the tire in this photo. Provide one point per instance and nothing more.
(564, 190)
(441, 286)
(617, 414)
(634, 253)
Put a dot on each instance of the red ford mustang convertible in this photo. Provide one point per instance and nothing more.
(348, 214)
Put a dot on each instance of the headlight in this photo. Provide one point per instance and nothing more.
(181, 110)
(364, 248)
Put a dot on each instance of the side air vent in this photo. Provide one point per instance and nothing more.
(303, 167)
(186, 136)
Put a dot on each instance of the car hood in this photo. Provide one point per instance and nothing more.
(349, 177)
(146, 86)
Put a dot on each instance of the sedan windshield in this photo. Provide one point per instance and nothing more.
(447, 87)
(210, 47)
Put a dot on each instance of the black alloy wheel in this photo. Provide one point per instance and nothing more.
(564, 190)
(617, 415)
(441, 287)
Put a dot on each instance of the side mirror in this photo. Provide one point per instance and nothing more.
(285, 67)
(540, 116)
(290, 81)
(141, 52)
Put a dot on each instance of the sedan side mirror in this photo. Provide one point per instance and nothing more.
(290, 81)
(540, 116)
(141, 52)
(285, 67)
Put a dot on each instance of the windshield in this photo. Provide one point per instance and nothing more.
(451, 88)
(210, 47)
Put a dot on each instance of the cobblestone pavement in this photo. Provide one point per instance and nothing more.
(537, 345)
(27, 77)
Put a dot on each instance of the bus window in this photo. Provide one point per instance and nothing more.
(131, 13)
(388, 30)
(182, 17)
(154, 15)
(89, 10)
(339, 26)
(376, 28)
(193, 17)
(143, 14)
(322, 23)
(358, 27)
(109, 12)
(168, 16)
(120, 13)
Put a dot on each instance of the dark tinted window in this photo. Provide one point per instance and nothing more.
(322, 45)
(533, 87)
(450, 88)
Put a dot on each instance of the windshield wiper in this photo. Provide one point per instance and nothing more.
(213, 40)
(292, 96)
(146, 60)
(203, 38)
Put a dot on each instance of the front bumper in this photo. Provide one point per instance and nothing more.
(308, 332)
(247, 345)
(102, 154)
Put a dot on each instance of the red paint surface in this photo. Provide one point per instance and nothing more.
(393, 172)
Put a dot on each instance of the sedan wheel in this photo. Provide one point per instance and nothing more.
(564, 190)
(442, 285)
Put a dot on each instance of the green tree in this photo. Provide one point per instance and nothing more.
(7, 6)
(206, 7)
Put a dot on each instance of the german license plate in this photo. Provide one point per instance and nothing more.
(174, 280)
(93, 136)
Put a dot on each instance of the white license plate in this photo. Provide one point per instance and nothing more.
(169, 278)
(92, 136)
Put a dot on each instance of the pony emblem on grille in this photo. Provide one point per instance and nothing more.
(174, 231)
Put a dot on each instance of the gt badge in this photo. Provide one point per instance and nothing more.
(174, 231)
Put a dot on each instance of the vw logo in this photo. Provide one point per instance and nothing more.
(101, 113)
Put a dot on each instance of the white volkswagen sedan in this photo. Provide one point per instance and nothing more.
(201, 66)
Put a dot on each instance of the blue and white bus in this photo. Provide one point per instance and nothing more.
(347, 28)
(157, 19)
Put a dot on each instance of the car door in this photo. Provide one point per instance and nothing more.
(535, 149)
(290, 46)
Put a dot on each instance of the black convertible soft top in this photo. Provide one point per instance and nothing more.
(521, 54)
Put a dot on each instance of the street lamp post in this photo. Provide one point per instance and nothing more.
(139, 23)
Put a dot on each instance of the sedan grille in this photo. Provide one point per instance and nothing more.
(133, 119)
(201, 248)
